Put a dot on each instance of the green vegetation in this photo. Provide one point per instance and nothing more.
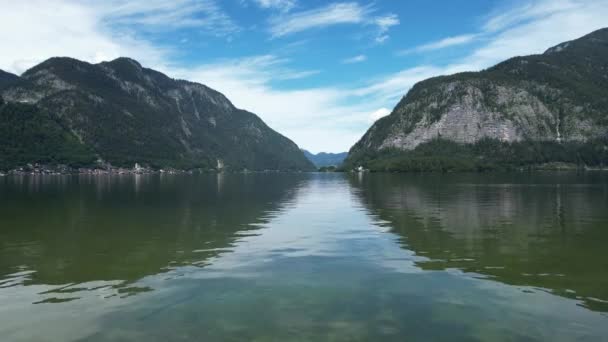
(29, 135)
(127, 114)
(328, 169)
(485, 155)
(7, 79)
(324, 159)
(564, 89)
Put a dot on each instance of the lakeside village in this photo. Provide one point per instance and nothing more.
(107, 169)
(41, 169)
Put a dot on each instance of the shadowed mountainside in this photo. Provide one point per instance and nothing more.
(128, 114)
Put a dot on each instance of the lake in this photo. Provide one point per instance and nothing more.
(304, 257)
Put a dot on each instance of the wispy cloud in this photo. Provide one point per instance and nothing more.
(530, 28)
(531, 10)
(441, 44)
(344, 111)
(384, 24)
(164, 15)
(281, 5)
(255, 70)
(331, 15)
(355, 59)
(307, 114)
(94, 31)
(32, 31)
(549, 23)
(388, 89)
(378, 114)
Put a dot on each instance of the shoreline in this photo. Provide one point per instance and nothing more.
(62, 170)
(201, 172)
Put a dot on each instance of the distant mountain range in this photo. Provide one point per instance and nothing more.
(529, 110)
(72, 112)
(324, 159)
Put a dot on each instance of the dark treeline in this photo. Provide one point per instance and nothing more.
(30, 135)
(486, 155)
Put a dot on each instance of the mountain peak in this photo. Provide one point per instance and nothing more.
(56, 64)
(125, 61)
(323, 159)
(6, 74)
(129, 114)
(596, 38)
(559, 97)
(54, 61)
(6, 79)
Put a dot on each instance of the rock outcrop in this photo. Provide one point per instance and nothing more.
(559, 96)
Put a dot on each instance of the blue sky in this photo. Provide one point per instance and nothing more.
(319, 72)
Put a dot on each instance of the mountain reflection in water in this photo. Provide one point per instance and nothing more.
(323, 257)
(542, 230)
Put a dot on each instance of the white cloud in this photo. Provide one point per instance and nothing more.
(441, 44)
(387, 90)
(530, 10)
(523, 35)
(318, 119)
(528, 29)
(333, 14)
(554, 22)
(384, 24)
(34, 30)
(378, 114)
(282, 5)
(164, 15)
(501, 27)
(328, 118)
(355, 59)
(333, 118)
(330, 15)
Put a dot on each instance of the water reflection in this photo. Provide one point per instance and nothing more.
(541, 230)
(319, 257)
(112, 231)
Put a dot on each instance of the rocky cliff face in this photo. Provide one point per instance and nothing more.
(560, 96)
(129, 114)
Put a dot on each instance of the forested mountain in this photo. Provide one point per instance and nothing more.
(128, 114)
(7, 79)
(537, 109)
(28, 135)
(324, 159)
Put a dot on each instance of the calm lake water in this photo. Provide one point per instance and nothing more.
(305, 257)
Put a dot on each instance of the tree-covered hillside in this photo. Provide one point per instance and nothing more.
(29, 135)
(324, 159)
(552, 106)
(129, 114)
(7, 79)
(487, 155)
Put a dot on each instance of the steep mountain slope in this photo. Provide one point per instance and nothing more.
(324, 159)
(28, 134)
(7, 79)
(128, 114)
(560, 96)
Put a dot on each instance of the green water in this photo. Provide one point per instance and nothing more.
(304, 257)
